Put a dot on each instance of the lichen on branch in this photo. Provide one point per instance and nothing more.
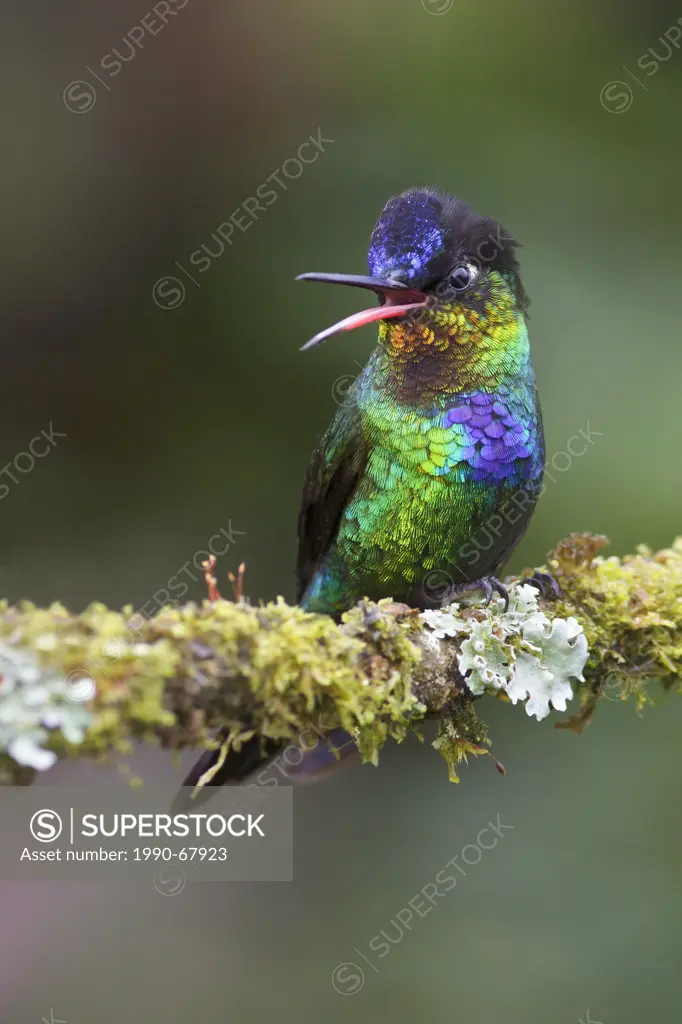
(89, 684)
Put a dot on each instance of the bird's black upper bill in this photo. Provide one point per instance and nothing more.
(399, 300)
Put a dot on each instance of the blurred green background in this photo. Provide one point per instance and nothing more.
(181, 421)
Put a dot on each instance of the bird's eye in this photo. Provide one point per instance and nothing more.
(463, 276)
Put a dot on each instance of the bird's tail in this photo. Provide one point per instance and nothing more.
(226, 765)
(220, 767)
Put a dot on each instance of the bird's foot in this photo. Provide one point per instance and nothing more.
(491, 585)
(488, 584)
(545, 584)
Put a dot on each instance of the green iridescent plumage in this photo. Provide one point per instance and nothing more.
(429, 472)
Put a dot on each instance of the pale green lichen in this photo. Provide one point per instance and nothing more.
(33, 703)
(517, 650)
(557, 653)
(485, 658)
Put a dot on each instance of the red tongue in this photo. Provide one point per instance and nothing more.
(365, 316)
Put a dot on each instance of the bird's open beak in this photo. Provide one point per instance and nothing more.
(399, 298)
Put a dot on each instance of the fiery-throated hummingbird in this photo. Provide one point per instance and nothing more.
(429, 472)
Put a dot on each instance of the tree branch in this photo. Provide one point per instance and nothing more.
(87, 685)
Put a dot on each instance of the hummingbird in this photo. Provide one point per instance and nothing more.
(427, 477)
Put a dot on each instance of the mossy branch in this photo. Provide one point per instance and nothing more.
(87, 685)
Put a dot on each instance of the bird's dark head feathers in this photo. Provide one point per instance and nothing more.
(423, 233)
(432, 261)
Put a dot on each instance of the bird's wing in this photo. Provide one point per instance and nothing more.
(335, 468)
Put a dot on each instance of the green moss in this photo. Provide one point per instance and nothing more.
(89, 684)
(631, 612)
(274, 670)
(460, 733)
